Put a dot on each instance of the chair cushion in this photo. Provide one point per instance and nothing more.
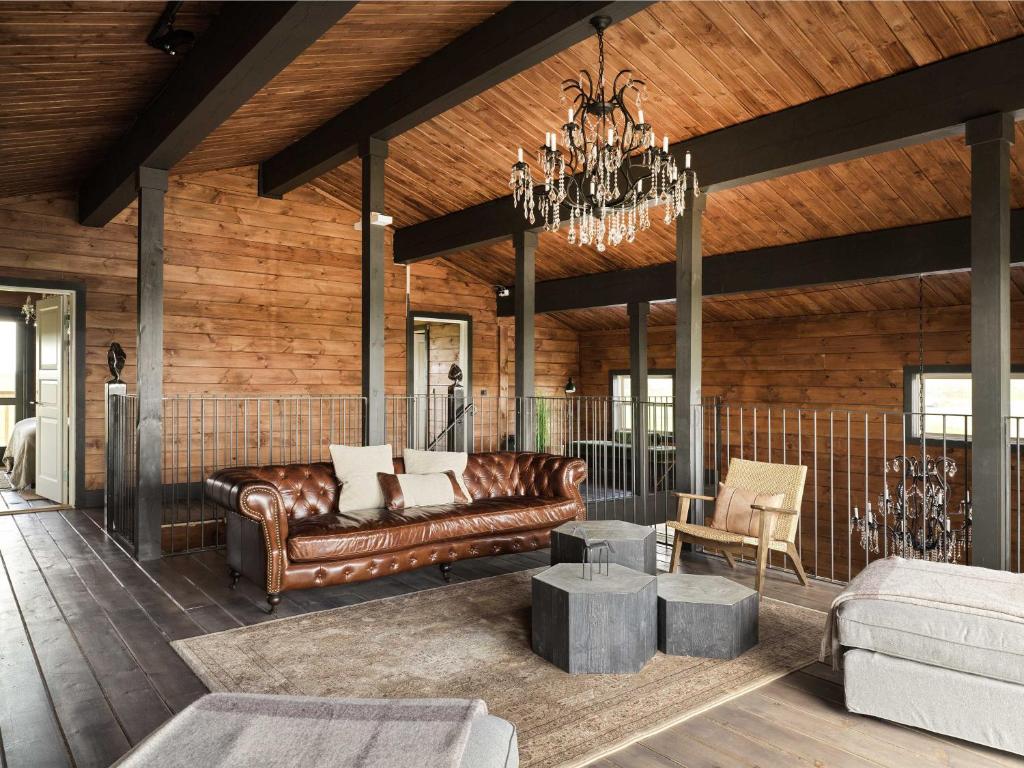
(977, 645)
(713, 535)
(734, 509)
(377, 531)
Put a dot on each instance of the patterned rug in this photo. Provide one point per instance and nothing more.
(472, 640)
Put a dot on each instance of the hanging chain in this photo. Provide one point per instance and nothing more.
(920, 347)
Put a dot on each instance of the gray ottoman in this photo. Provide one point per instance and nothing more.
(707, 616)
(630, 545)
(600, 625)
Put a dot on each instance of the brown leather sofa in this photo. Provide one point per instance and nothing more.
(284, 530)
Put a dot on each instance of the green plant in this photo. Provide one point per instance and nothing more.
(543, 425)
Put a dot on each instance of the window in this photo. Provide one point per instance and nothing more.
(947, 403)
(659, 394)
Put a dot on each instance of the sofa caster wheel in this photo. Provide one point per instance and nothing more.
(446, 572)
(235, 576)
(273, 599)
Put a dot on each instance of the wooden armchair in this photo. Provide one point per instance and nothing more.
(778, 525)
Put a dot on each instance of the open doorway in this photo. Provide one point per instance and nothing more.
(38, 434)
(440, 372)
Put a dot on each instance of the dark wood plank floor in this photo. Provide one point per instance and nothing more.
(86, 670)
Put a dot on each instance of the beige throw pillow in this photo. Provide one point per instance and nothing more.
(357, 468)
(431, 462)
(733, 511)
(402, 491)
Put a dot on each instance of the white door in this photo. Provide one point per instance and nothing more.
(51, 401)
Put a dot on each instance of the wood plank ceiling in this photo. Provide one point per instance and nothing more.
(72, 78)
(374, 43)
(74, 75)
(708, 65)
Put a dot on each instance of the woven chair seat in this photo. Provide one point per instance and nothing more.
(708, 533)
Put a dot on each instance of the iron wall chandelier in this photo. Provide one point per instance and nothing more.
(609, 172)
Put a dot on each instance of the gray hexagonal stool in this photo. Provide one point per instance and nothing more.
(708, 616)
(602, 624)
(630, 545)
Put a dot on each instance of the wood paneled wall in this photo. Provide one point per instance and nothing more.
(261, 296)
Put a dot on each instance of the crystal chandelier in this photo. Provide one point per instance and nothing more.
(915, 521)
(609, 171)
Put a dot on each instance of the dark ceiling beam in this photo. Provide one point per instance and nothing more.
(941, 246)
(247, 44)
(513, 40)
(919, 105)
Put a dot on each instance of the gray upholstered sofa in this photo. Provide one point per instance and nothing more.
(945, 655)
(231, 729)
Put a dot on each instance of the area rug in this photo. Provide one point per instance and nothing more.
(472, 640)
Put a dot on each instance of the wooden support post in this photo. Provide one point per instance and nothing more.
(373, 152)
(639, 312)
(990, 138)
(525, 244)
(687, 385)
(149, 373)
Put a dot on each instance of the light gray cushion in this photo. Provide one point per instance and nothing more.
(970, 707)
(492, 744)
(977, 645)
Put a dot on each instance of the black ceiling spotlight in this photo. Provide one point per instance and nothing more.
(164, 37)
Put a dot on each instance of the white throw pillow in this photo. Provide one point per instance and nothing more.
(404, 491)
(432, 462)
(357, 468)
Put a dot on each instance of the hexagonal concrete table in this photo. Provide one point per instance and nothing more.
(708, 616)
(631, 545)
(600, 625)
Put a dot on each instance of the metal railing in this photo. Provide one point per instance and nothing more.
(121, 470)
(623, 483)
(1015, 436)
(852, 467)
(628, 445)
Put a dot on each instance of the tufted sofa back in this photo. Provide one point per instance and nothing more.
(489, 475)
(312, 489)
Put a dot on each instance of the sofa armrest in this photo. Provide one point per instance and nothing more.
(549, 476)
(254, 496)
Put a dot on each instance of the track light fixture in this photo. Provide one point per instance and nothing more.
(164, 37)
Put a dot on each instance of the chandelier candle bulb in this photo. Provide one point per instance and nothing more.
(520, 154)
(664, 144)
(640, 115)
(687, 160)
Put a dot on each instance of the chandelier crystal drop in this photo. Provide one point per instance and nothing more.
(604, 167)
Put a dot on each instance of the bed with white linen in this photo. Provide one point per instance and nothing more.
(20, 456)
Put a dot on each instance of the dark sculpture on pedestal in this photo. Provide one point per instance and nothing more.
(115, 361)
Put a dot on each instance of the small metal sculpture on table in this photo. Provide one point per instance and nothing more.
(600, 548)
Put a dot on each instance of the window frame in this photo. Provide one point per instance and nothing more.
(910, 397)
(616, 372)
